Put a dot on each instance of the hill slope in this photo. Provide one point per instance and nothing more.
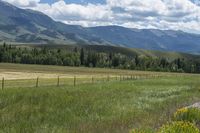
(19, 25)
(149, 38)
(130, 52)
(100, 56)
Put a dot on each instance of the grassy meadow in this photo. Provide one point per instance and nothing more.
(108, 107)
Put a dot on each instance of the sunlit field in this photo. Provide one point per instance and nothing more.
(99, 102)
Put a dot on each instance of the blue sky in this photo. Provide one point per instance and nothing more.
(142, 14)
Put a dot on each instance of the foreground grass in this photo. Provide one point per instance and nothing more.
(102, 107)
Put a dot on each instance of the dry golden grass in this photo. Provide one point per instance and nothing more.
(19, 71)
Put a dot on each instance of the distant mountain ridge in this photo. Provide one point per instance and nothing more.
(152, 39)
(28, 26)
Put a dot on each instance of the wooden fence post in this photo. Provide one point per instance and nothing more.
(92, 80)
(37, 82)
(74, 80)
(3, 83)
(58, 82)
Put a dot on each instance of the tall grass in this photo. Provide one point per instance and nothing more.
(102, 107)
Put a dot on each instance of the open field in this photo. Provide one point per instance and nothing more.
(109, 107)
(17, 75)
(19, 71)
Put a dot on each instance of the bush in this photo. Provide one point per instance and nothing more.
(179, 127)
(188, 114)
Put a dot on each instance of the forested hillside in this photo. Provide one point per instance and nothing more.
(100, 56)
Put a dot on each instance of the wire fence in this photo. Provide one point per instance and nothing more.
(71, 81)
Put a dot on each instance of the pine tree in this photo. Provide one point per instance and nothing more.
(82, 56)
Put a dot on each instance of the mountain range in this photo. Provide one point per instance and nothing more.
(28, 26)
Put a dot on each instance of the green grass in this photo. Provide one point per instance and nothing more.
(115, 107)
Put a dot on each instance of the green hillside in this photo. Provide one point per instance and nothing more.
(123, 50)
(99, 56)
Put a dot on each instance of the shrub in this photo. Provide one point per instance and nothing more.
(188, 114)
(179, 127)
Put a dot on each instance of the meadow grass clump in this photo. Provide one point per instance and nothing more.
(179, 127)
(141, 131)
(188, 114)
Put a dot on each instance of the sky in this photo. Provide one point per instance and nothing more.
(143, 14)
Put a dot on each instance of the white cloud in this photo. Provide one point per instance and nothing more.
(66, 12)
(162, 14)
(24, 3)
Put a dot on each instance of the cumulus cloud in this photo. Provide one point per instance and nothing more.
(24, 3)
(161, 14)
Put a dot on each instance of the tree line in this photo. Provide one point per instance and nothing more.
(90, 58)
